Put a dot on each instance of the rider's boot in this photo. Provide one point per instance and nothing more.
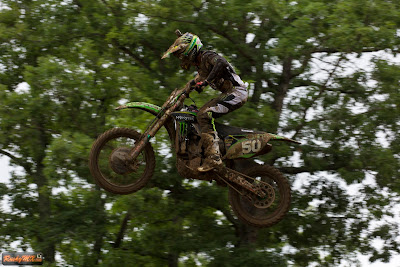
(212, 154)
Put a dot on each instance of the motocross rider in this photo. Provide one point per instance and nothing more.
(213, 70)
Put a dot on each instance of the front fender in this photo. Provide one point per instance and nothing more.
(153, 109)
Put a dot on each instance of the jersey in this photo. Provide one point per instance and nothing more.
(217, 71)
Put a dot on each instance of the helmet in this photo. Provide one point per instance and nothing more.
(186, 47)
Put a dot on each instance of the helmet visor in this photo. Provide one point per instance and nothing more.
(174, 48)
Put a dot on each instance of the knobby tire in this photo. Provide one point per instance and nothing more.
(98, 176)
(238, 203)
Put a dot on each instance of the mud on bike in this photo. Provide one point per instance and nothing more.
(122, 160)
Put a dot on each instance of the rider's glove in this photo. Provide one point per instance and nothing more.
(192, 84)
(199, 86)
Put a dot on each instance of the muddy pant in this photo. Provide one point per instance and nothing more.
(216, 107)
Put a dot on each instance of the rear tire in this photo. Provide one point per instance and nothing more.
(270, 213)
(107, 176)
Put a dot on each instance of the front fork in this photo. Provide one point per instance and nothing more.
(147, 136)
(153, 129)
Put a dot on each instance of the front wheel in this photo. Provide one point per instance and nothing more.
(109, 164)
(267, 211)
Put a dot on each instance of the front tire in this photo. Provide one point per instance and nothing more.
(109, 168)
(265, 212)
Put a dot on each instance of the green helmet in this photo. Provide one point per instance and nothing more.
(186, 47)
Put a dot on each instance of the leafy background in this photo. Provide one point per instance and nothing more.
(319, 71)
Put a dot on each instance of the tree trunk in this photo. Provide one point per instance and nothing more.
(258, 88)
(99, 222)
(46, 246)
(46, 242)
(173, 259)
(283, 87)
(247, 234)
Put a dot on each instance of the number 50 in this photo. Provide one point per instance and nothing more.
(251, 146)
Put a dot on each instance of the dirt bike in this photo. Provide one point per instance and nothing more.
(122, 160)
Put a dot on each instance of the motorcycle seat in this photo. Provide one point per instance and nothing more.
(226, 130)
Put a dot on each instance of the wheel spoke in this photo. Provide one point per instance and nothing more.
(110, 165)
(262, 211)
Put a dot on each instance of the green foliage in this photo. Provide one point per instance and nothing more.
(65, 66)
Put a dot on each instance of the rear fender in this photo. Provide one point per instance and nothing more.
(282, 138)
(251, 145)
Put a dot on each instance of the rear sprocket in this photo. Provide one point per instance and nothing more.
(262, 211)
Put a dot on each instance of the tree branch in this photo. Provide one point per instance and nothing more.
(302, 67)
(17, 160)
(122, 229)
(297, 170)
(215, 30)
(322, 89)
(257, 37)
(234, 42)
(77, 3)
(131, 54)
(334, 50)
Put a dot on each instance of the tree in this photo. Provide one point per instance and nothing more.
(79, 58)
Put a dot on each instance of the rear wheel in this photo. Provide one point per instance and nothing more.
(266, 211)
(109, 164)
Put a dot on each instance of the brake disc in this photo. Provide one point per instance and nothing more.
(120, 163)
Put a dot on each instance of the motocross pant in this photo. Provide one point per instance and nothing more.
(219, 106)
